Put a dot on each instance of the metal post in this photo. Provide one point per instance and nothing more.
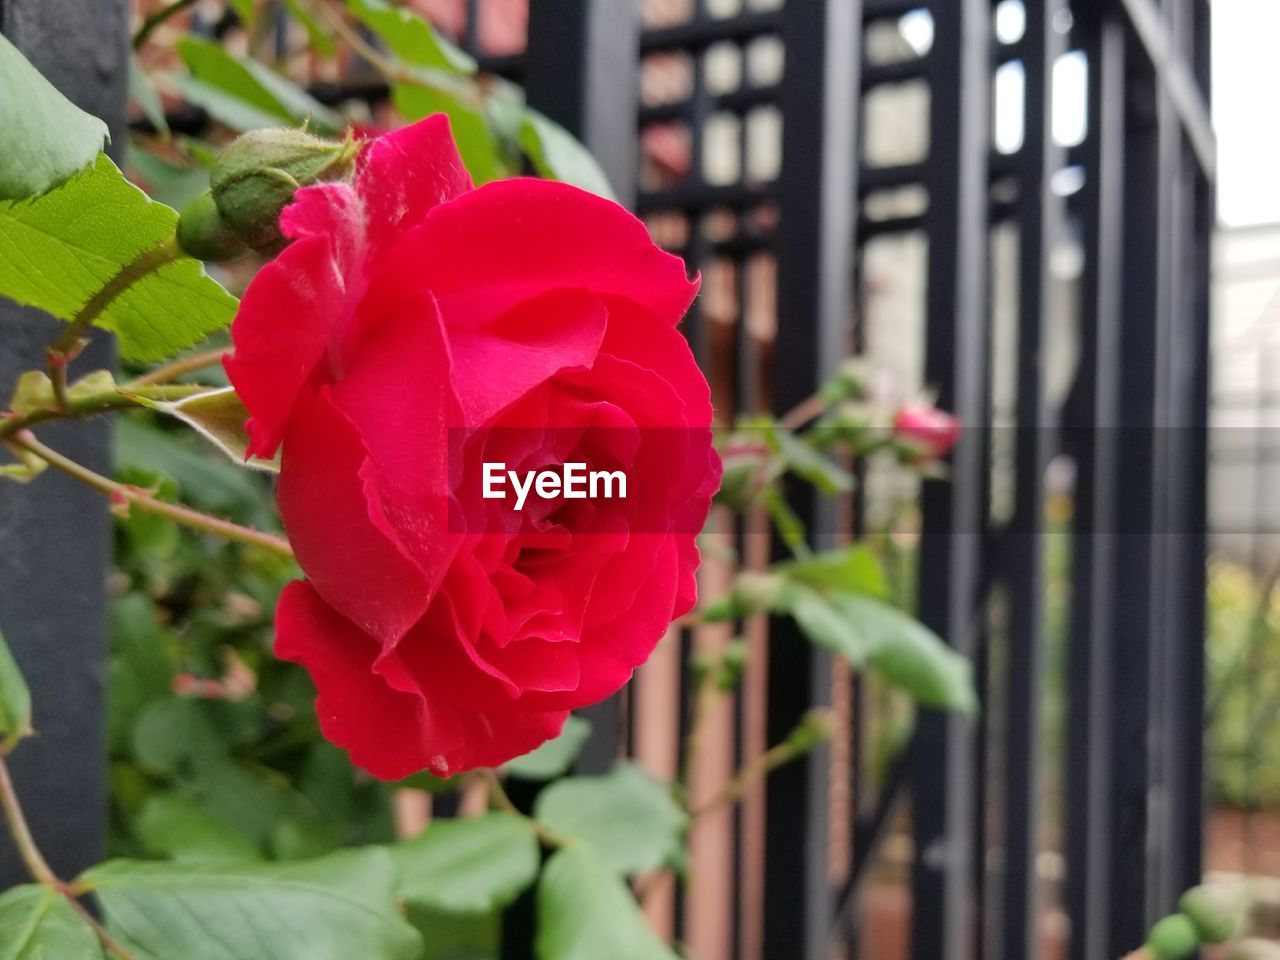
(951, 554)
(817, 204)
(55, 536)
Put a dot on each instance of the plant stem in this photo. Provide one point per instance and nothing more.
(500, 799)
(112, 945)
(803, 412)
(22, 838)
(154, 21)
(178, 368)
(126, 398)
(761, 766)
(70, 342)
(126, 495)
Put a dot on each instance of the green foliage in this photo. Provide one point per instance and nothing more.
(557, 155)
(59, 250)
(37, 923)
(1172, 938)
(585, 912)
(553, 758)
(15, 700)
(472, 866)
(253, 84)
(630, 821)
(46, 138)
(332, 908)
(411, 38)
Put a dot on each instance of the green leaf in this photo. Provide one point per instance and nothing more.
(785, 520)
(44, 137)
(257, 85)
(412, 38)
(37, 923)
(318, 35)
(458, 936)
(224, 107)
(855, 569)
(173, 825)
(554, 757)
(910, 655)
(587, 913)
(219, 416)
(628, 819)
(170, 183)
(825, 625)
(558, 155)
(807, 462)
(143, 93)
(334, 908)
(59, 250)
(246, 13)
(468, 866)
(477, 144)
(15, 700)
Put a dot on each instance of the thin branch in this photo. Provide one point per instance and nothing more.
(22, 838)
(126, 398)
(758, 768)
(112, 945)
(179, 368)
(126, 495)
(157, 19)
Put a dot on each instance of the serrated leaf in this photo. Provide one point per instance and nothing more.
(805, 461)
(468, 866)
(587, 913)
(855, 569)
(458, 936)
(333, 908)
(44, 137)
(554, 757)
(910, 655)
(15, 700)
(59, 250)
(629, 820)
(37, 923)
(558, 155)
(823, 624)
(219, 416)
(412, 38)
(173, 825)
(257, 85)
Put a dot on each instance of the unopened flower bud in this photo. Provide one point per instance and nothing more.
(1217, 910)
(1173, 937)
(256, 177)
(205, 235)
(927, 430)
(814, 728)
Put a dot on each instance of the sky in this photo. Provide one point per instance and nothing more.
(1246, 109)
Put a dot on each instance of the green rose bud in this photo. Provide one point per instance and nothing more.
(1253, 949)
(1217, 910)
(1173, 937)
(205, 235)
(256, 177)
(814, 728)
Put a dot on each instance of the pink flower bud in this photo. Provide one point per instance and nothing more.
(932, 431)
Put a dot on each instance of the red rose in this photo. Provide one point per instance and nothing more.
(415, 327)
(931, 431)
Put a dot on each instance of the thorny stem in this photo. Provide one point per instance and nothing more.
(39, 868)
(179, 368)
(125, 495)
(126, 398)
(70, 342)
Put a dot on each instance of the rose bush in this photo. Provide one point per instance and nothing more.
(415, 327)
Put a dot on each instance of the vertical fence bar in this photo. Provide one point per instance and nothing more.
(1039, 222)
(951, 555)
(55, 536)
(582, 72)
(1091, 429)
(817, 204)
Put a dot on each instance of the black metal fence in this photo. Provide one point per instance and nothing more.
(789, 243)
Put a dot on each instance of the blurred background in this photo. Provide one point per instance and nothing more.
(1059, 219)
